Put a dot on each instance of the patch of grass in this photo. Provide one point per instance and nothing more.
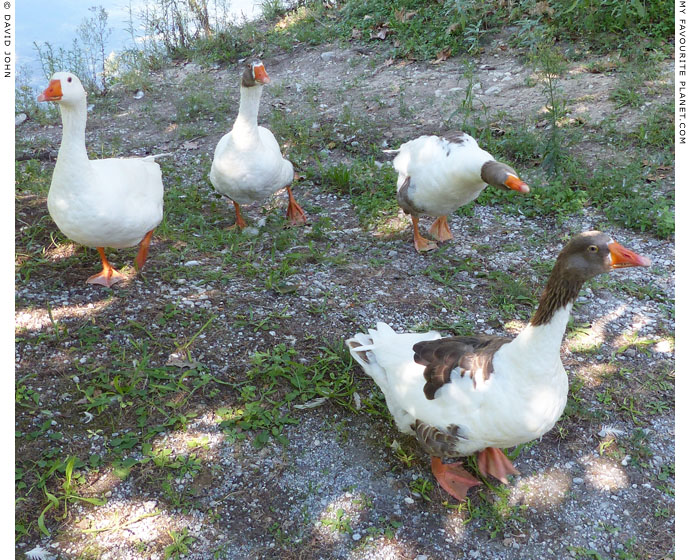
(198, 100)
(609, 24)
(276, 382)
(371, 188)
(495, 513)
(510, 296)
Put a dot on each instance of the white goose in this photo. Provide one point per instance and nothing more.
(100, 203)
(247, 164)
(438, 174)
(476, 394)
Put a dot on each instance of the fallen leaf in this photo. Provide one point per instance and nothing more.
(442, 55)
(182, 362)
(190, 145)
(452, 28)
(380, 34)
(402, 16)
(312, 403)
(356, 33)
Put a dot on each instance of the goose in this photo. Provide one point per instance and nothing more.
(247, 163)
(438, 174)
(114, 202)
(463, 395)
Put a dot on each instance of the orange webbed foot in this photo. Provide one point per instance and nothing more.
(421, 244)
(439, 229)
(492, 461)
(453, 478)
(108, 276)
(295, 214)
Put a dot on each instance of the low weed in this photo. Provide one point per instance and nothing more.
(276, 382)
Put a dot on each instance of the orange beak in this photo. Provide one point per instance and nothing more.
(260, 74)
(53, 92)
(516, 184)
(623, 258)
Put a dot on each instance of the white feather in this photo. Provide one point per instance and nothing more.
(39, 553)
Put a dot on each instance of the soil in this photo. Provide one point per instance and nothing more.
(574, 497)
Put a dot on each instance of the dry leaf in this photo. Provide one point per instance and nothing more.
(541, 8)
(190, 145)
(356, 33)
(182, 362)
(402, 16)
(381, 33)
(452, 28)
(442, 55)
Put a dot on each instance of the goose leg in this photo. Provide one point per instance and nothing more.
(420, 243)
(143, 251)
(239, 220)
(108, 276)
(439, 229)
(453, 478)
(492, 461)
(295, 214)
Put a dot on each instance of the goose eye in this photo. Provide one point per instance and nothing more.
(69, 79)
(593, 248)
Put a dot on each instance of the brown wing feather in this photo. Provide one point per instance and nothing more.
(437, 442)
(471, 354)
(454, 136)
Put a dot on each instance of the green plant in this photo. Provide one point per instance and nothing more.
(422, 486)
(181, 541)
(94, 34)
(340, 523)
(67, 493)
(550, 66)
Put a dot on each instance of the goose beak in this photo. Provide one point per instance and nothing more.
(260, 74)
(52, 93)
(623, 258)
(516, 184)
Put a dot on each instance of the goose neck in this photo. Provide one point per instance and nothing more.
(247, 117)
(73, 144)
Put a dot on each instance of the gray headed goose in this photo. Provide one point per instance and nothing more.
(477, 394)
(247, 164)
(438, 174)
(113, 202)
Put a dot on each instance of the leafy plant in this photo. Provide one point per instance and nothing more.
(67, 493)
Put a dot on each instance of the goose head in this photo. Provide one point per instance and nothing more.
(586, 255)
(592, 253)
(64, 88)
(254, 74)
(503, 176)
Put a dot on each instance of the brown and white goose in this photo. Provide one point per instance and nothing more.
(438, 174)
(247, 165)
(477, 394)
